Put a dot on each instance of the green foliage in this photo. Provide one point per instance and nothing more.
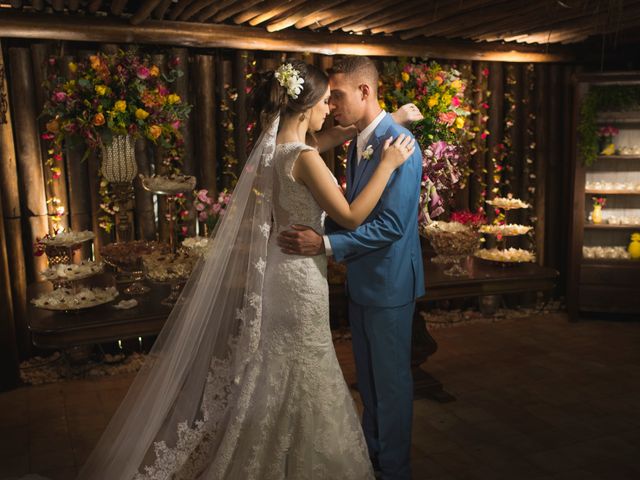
(612, 98)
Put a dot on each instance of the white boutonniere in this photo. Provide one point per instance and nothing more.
(366, 154)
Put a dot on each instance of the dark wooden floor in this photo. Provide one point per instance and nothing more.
(537, 398)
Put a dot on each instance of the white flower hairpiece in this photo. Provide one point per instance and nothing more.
(289, 78)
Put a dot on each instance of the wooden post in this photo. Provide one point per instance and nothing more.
(11, 211)
(479, 159)
(554, 164)
(160, 168)
(462, 196)
(144, 212)
(542, 157)
(240, 65)
(79, 197)
(204, 116)
(9, 368)
(28, 153)
(182, 87)
(496, 124)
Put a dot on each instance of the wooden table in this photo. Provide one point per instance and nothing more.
(104, 323)
(484, 279)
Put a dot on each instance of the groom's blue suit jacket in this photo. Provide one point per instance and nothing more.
(383, 256)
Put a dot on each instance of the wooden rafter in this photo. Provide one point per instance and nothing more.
(212, 9)
(283, 8)
(117, 6)
(302, 13)
(234, 9)
(381, 15)
(144, 11)
(195, 7)
(177, 9)
(161, 9)
(349, 9)
(431, 14)
(88, 29)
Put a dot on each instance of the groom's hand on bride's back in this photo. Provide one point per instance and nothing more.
(301, 240)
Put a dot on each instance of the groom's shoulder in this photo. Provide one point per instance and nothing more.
(397, 129)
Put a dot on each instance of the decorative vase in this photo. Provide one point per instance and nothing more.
(596, 214)
(634, 246)
(119, 159)
(119, 168)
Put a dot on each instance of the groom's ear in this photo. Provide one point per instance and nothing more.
(365, 89)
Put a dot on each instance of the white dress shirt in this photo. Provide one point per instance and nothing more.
(362, 141)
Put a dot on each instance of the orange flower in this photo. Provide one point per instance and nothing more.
(98, 119)
(95, 62)
(154, 71)
(155, 131)
(53, 126)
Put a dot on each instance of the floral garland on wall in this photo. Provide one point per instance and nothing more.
(480, 118)
(529, 168)
(445, 132)
(113, 94)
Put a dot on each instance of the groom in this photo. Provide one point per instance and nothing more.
(384, 267)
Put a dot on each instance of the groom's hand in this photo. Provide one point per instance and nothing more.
(301, 240)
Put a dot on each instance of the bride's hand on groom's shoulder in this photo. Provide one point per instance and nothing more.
(301, 240)
(396, 153)
(407, 114)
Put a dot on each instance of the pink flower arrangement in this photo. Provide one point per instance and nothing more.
(210, 211)
(466, 217)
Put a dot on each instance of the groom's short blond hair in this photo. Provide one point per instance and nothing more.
(362, 69)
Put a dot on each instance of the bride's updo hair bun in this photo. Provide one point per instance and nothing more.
(270, 98)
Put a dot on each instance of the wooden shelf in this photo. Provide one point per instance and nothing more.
(618, 157)
(618, 117)
(608, 226)
(612, 192)
(614, 262)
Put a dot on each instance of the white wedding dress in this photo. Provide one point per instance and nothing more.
(293, 416)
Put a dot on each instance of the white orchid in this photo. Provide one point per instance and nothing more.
(367, 152)
(290, 78)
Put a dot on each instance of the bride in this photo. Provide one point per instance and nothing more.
(243, 381)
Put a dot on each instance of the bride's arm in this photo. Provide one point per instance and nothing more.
(337, 135)
(331, 137)
(311, 170)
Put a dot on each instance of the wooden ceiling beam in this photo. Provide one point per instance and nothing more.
(496, 11)
(161, 9)
(212, 9)
(500, 24)
(178, 8)
(291, 19)
(339, 19)
(73, 5)
(539, 25)
(144, 11)
(188, 34)
(341, 11)
(117, 6)
(435, 13)
(37, 5)
(232, 10)
(282, 9)
(252, 12)
(94, 6)
(376, 18)
(195, 7)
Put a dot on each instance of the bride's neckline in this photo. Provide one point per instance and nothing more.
(293, 143)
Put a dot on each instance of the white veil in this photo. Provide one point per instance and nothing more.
(214, 329)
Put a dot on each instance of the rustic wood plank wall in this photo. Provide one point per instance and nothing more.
(208, 76)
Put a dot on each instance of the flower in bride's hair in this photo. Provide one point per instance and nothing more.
(289, 78)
